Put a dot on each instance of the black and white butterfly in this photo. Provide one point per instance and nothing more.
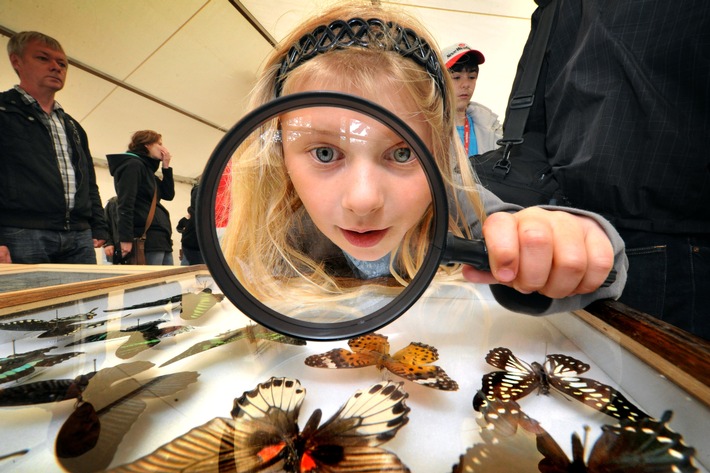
(516, 443)
(263, 435)
(560, 372)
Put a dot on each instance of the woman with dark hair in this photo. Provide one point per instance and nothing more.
(136, 186)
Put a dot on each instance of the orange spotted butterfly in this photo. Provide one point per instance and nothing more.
(263, 435)
(519, 378)
(516, 443)
(411, 362)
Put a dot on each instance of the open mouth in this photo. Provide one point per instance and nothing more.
(364, 239)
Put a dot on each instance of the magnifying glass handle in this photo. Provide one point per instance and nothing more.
(475, 253)
(462, 250)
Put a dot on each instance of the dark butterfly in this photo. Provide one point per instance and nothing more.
(263, 435)
(40, 392)
(20, 365)
(113, 334)
(516, 443)
(250, 332)
(412, 362)
(143, 340)
(53, 327)
(157, 303)
(518, 379)
(106, 410)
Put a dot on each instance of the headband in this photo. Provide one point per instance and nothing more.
(342, 34)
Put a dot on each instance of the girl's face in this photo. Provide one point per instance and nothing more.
(361, 184)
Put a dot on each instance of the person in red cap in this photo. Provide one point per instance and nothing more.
(477, 125)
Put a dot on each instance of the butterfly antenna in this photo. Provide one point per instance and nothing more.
(585, 446)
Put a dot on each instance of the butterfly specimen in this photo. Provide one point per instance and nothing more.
(112, 334)
(39, 392)
(142, 340)
(195, 305)
(509, 441)
(412, 362)
(516, 443)
(559, 372)
(20, 365)
(263, 435)
(250, 332)
(108, 406)
(157, 303)
(53, 327)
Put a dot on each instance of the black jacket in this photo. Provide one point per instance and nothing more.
(31, 189)
(135, 181)
(186, 226)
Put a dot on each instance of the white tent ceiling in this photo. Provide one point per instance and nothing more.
(185, 67)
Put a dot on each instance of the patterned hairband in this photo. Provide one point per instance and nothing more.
(342, 34)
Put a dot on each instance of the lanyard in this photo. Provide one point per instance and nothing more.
(466, 134)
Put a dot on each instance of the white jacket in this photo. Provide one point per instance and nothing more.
(486, 126)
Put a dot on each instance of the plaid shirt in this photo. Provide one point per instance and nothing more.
(55, 126)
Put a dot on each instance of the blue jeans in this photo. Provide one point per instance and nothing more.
(31, 246)
(669, 278)
(159, 258)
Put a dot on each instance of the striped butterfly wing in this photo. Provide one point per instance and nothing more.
(350, 440)
(562, 371)
(516, 380)
(204, 449)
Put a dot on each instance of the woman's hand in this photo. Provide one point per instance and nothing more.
(165, 156)
(126, 247)
(555, 253)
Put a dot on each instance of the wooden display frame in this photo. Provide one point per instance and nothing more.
(626, 349)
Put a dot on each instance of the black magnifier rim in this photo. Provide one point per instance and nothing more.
(239, 295)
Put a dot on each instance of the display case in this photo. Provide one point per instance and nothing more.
(148, 387)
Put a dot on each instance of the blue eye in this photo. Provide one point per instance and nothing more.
(402, 155)
(324, 155)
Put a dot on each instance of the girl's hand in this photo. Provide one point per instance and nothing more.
(555, 253)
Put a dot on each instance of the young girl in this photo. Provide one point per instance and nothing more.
(361, 205)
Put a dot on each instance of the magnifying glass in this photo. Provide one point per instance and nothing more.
(296, 222)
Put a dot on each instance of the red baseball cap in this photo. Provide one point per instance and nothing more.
(453, 53)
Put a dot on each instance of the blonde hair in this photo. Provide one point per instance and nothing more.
(264, 203)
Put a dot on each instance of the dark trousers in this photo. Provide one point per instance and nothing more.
(669, 278)
(31, 246)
